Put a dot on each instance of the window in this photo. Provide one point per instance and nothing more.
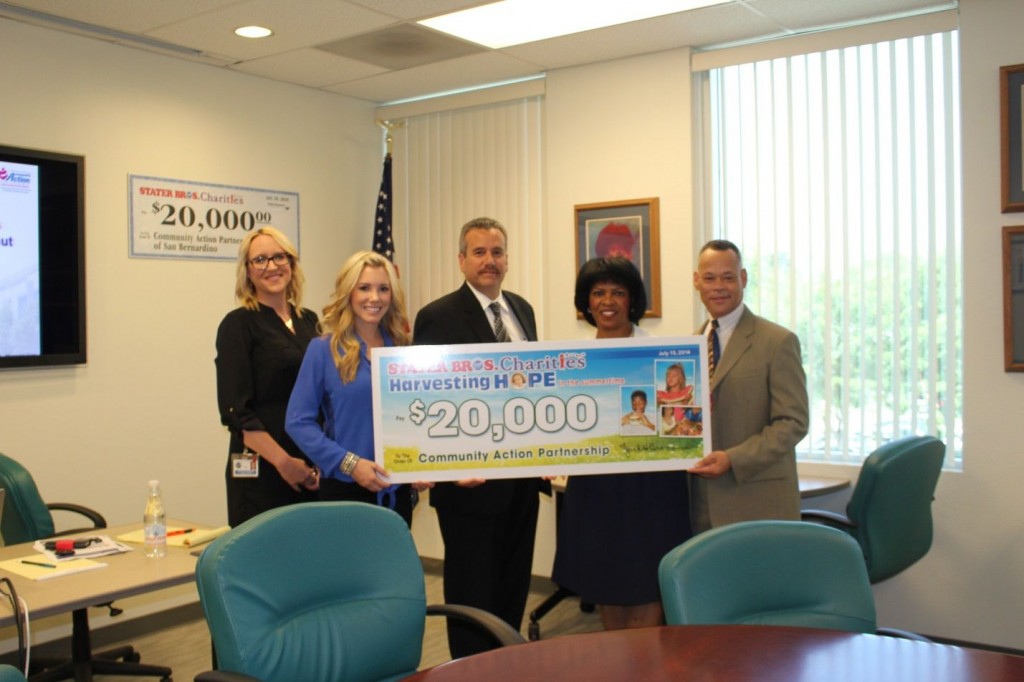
(838, 175)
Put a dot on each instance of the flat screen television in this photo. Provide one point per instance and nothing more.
(42, 258)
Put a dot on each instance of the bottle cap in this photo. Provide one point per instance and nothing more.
(154, 483)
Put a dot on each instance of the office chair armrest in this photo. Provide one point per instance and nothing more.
(827, 518)
(503, 633)
(94, 516)
(902, 634)
(223, 676)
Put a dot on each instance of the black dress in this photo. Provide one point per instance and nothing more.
(613, 531)
(258, 359)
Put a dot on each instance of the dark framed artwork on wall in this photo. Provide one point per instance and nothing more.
(623, 228)
(1011, 94)
(1013, 298)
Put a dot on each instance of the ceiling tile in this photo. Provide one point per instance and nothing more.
(124, 15)
(801, 15)
(418, 9)
(309, 67)
(295, 25)
(454, 74)
(712, 25)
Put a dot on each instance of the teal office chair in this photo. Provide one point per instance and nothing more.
(890, 509)
(26, 518)
(770, 573)
(9, 673)
(320, 591)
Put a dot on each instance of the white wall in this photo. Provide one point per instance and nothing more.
(145, 404)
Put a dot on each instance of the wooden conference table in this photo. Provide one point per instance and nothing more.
(733, 653)
(125, 575)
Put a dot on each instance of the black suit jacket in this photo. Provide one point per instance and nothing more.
(458, 318)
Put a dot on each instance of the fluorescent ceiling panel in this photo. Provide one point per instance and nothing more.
(513, 22)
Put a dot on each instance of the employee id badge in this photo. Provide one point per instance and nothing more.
(245, 464)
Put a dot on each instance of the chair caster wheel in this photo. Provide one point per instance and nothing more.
(135, 657)
(534, 632)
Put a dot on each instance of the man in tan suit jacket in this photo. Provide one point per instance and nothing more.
(759, 404)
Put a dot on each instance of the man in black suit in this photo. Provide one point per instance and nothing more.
(488, 527)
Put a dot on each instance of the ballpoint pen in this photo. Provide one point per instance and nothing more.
(37, 563)
(180, 532)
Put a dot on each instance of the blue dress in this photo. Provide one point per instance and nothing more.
(613, 530)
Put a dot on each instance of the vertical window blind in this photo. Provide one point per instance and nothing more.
(838, 175)
(452, 166)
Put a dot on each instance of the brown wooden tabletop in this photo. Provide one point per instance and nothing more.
(734, 653)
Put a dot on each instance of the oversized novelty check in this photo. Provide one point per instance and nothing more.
(515, 410)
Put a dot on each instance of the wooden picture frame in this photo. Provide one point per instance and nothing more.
(628, 228)
(1011, 95)
(1013, 298)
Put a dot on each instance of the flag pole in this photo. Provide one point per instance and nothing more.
(388, 125)
(382, 240)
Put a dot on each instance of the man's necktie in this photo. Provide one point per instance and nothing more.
(500, 333)
(714, 350)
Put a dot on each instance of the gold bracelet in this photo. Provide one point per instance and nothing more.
(349, 462)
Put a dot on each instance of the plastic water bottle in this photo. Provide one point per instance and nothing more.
(154, 523)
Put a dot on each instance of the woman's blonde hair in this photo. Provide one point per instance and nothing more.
(338, 320)
(245, 292)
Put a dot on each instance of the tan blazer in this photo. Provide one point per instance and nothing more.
(760, 413)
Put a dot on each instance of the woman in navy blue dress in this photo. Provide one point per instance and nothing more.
(614, 528)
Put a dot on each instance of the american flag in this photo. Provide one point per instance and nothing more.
(382, 242)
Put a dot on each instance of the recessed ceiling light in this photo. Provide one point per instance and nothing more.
(253, 32)
(513, 22)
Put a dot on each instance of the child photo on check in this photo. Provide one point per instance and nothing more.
(634, 420)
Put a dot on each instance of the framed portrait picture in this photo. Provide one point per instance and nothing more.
(623, 228)
(1011, 89)
(1013, 298)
